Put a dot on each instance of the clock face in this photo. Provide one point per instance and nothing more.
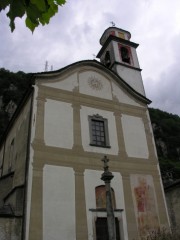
(95, 83)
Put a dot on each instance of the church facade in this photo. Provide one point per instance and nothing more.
(50, 157)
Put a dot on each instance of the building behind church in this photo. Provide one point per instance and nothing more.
(50, 156)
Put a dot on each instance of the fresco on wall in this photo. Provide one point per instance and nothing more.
(144, 203)
(101, 197)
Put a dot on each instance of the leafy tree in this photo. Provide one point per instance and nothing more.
(3, 121)
(12, 88)
(36, 11)
(166, 129)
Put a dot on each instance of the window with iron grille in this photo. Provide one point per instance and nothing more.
(98, 131)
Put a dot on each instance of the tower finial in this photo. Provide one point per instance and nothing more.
(113, 24)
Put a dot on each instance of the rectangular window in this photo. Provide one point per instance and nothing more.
(98, 131)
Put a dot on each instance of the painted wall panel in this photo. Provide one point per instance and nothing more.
(85, 112)
(58, 203)
(145, 203)
(92, 180)
(66, 84)
(94, 84)
(134, 136)
(58, 126)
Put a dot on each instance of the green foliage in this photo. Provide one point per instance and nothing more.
(166, 128)
(3, 121)
(12, 88)
(36, 11)
(163, 235)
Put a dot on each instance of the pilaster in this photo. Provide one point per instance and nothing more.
(129, 207)
(39, 132)
(121, 144)
(149, 137)
(36, 217)
(80, 206)
(77, 127)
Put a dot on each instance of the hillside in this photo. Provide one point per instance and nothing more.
(12, 88)
(166, 126)
(166, 129)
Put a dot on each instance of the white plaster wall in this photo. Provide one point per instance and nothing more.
(152, 134)
(85, 85)
(134, 136)
(116, 51)
(31, 157)
(66, 84)
(58, 203)
(122, 96)
(132, 77)
(163, 193)
(87, 111)
(58, 124)
(91, 181)
(135, 58)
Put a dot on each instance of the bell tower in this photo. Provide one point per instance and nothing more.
(119, 54)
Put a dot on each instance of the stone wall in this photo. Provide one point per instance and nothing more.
(172, 193)
(10, 228)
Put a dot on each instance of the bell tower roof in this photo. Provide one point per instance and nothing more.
(114, 31)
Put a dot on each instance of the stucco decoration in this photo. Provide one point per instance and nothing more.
(95, 84)
(145, 204)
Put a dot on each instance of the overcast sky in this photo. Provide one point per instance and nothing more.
(74, 33)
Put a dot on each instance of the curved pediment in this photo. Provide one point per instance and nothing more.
(92, 79)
